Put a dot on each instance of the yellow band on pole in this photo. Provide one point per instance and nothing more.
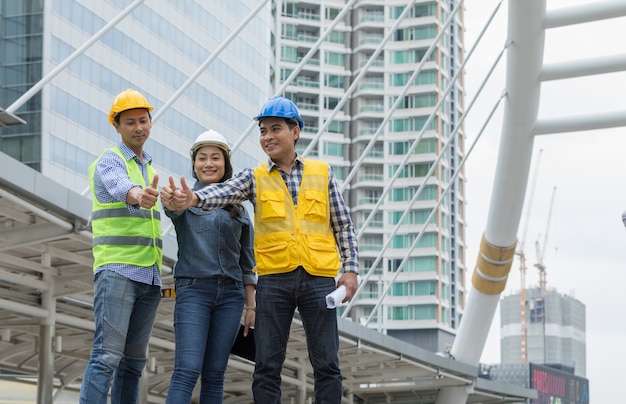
(486, 286)
(492, 267)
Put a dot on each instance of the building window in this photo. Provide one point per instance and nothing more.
(289, 31)
(335, 127)
(410, 56)
(412, 217)
(429, 193)
(425, 312)
(425, 146)
(334, 81)
(428, 240)
(371, 242)
(410, 124)
(416, 170)
(330, 102)
(338, 171)
(423, 78)
(415, 33)
(414, 264)
(288, 54)
(331, 13)
(415, 101)
(290, 10)
(333, 58)
(420, 10)
(333, 149)
(370, 196)
(414, 288)
(336, 37)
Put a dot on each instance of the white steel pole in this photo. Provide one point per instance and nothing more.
(526, 36)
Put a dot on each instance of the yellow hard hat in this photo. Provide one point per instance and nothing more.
(128, 99)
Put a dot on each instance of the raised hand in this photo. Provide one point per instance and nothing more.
(167, 194)
(184, 196)
(148, 197)
(177, 198)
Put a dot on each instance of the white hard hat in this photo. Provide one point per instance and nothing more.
(210, 138)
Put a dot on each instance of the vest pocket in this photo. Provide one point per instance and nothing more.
(272, 256)
(272, 205)
(314, 205)
(324, 256)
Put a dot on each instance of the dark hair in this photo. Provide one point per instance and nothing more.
(116, 117)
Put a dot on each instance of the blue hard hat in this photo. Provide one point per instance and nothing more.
(280, 107)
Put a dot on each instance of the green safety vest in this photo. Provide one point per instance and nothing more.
(121, 237)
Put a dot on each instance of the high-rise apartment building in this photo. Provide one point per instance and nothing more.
(396, 144)
(156, 47)
(555, 330)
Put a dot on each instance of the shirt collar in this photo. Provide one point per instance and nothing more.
(198, 185)
(129, 154)
(271, 164)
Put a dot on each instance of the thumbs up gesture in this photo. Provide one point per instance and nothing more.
(177, 198)
(148, 198)
(167, 194)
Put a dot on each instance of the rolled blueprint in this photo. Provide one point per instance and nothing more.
(336, 297)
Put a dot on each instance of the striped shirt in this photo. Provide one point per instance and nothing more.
(112, 183)
(241, 187)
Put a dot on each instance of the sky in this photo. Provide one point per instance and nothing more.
(584, 254)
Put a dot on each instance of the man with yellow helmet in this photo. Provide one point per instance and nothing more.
(127, 251)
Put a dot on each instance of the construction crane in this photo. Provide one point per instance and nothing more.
(522, 259)
(541, 249)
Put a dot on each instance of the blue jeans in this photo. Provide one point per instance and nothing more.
(206, 319)
(277, 297)
(124, 314)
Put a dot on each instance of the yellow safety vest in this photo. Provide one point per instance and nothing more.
(120, 237)
(288, 236)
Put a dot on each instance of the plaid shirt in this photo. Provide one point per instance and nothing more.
(112, 183)
(241, 187)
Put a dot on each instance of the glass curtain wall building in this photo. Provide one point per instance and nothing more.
(154, 49)
(21, 55)
(424, 301)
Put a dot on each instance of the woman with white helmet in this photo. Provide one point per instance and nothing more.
(214, 279)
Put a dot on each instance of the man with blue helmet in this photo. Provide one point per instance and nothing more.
(303, 236)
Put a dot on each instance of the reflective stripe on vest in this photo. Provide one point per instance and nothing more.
(288, 236)
(120, 237)
(123, 212)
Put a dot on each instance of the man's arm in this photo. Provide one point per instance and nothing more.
(345, 236)
(237, 189)
(146, 198)
(113, 184)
